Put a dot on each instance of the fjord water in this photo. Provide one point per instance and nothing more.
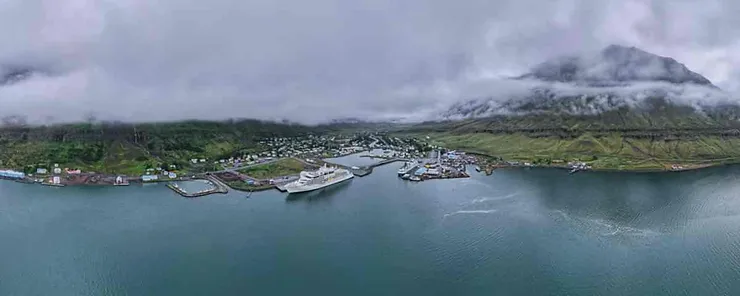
(516, 232)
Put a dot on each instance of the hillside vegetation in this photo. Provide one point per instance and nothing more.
(130, 148)
(614, 151)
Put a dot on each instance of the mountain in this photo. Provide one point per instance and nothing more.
(615, 65)
(621, 108)
(620, 79)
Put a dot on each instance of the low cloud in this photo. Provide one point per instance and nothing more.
(135, 60)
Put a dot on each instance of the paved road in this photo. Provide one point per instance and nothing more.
(247, 177)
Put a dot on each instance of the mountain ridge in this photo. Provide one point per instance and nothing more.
(613, 65)
(616, 78)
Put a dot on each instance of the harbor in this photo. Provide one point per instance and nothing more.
(439, 165)
(198, 188)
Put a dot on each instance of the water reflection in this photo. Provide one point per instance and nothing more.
(620, 203)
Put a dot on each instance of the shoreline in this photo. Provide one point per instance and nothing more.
(614, 170)
(483, 168)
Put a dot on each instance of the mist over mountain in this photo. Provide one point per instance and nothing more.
(14, 74)
(615, 78)
(613, 66)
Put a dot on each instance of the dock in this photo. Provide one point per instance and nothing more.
(218, 187)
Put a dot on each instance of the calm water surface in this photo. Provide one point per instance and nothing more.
(516, 232)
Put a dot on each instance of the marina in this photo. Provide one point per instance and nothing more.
(198, 188)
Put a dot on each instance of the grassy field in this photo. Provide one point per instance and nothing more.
(282, 167)
(242, 186)
(612, 152)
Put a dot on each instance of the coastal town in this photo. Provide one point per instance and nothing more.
(281, 159)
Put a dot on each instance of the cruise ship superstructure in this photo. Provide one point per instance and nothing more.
(323, 177)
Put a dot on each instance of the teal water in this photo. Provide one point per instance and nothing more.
(516, 232)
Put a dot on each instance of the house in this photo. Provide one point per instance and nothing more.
(149, 178)
(172, 175)
(74, 172)
(193, 160)
(57, 170)
(41, 171)
(12, 174)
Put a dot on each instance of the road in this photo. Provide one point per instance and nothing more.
(247, 177)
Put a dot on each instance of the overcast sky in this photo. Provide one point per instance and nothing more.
(309, 61)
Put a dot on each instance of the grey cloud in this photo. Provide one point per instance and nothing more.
(311, 61)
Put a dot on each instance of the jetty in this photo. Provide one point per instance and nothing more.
(218, 187)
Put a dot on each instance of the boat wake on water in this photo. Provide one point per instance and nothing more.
(605, 228)
(463, 212)
(494, 198)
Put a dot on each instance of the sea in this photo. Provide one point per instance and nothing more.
(515, 232)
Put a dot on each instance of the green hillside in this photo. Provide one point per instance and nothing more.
(607, 152)
(130, 148)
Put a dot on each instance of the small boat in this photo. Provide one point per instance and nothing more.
(415, 178)
(249, 194)
(477, 169)
(573, 171)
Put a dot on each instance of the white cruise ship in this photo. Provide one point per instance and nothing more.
(323, 177)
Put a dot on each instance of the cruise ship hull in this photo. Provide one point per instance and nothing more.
(307, 188)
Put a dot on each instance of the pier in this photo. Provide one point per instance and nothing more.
(218, 187)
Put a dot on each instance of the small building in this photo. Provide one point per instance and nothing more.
(57, 170)
(119, 180)
(55, 180)
(149, 178)
(74, 172)
(172, 175)
(12, 174)
(41, 171)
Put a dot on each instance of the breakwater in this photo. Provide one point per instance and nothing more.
(216, 187)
